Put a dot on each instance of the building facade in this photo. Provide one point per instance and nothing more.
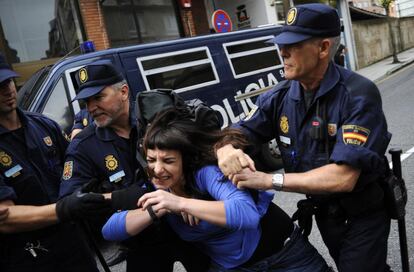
(35, 35)
(405, 8)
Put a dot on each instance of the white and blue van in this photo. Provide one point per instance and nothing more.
(225, 70)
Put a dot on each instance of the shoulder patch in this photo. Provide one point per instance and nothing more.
(67, 170)
(48, 141)
(355, 135)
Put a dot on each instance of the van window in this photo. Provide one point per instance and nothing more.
(252, 56)
(57, 107)
(181, 70)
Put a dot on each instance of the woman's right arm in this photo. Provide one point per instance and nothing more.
(125, 224)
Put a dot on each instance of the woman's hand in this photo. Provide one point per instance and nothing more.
(161, 200)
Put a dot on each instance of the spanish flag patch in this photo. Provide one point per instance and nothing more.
(355, 135)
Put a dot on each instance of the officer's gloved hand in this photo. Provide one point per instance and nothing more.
(94, 185)
(126, 199)
(306, 209)
(82, 206)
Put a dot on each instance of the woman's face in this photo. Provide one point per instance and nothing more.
(167, 167)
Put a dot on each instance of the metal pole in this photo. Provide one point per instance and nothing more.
(396, 168)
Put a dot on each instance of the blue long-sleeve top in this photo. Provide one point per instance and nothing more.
(228, 246)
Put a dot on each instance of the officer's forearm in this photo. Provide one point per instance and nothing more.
(331, 178)
(26, 218)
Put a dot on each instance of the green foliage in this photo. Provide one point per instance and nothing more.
(386, 4)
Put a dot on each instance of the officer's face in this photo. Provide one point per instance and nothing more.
(8, 96)
(108, 107)
(301, 60)
(167, 168)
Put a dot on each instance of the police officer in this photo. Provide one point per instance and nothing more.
(332, 134)
(31, 161)
(105, 151)
(82, 120)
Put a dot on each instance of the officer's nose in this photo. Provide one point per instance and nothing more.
(284, 52)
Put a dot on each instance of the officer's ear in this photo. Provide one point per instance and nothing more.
(125, 92)
(324, 48)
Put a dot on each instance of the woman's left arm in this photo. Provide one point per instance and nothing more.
(210, 211)
(120, 226)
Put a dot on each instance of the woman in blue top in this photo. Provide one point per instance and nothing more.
(239, 230)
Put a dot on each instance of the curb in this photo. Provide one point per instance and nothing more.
(395, 69)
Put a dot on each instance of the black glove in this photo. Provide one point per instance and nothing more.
(82, 206)
(306, 209)
(126, 199)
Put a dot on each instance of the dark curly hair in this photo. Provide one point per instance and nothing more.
(175, 129)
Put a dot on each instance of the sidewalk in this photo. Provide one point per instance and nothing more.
(379, 70)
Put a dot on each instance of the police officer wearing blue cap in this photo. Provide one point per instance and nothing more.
(31, 161)
(104, 152)
(332, 134)
(82, 120)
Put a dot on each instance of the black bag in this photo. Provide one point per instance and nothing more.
(395, 196)
(149, 103)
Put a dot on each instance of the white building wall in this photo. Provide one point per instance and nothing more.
(405, 8)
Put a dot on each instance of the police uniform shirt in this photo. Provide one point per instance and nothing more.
(356, 126)
(31, 161)
(99, 153)
(82, 120)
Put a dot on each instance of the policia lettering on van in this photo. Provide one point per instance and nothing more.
(225, 70)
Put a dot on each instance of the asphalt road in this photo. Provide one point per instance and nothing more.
(397, 93)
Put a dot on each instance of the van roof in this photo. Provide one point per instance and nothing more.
(114, 51)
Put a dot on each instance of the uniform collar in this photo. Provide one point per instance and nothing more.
(329, 80)
(108, 134)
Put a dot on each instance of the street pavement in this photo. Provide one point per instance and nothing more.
(375, 72)
(380, 70)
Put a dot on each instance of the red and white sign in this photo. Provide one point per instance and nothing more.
(221, 21)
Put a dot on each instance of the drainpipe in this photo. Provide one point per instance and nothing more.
(351, 55)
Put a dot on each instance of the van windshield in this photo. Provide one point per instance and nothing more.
(28, 91)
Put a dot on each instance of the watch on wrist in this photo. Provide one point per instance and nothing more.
(277, 181)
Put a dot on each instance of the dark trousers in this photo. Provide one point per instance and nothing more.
(161, 255)
(62, 249)
(357, 244)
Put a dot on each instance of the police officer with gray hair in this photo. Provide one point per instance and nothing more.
(332, 134)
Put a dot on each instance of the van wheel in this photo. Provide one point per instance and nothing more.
(270, 156)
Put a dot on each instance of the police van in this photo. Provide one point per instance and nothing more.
(225, 70)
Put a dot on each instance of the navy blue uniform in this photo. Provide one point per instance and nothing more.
(101, 153)
(353, 225)
(31, 163)
(82, 119)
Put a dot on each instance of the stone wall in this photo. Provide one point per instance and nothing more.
(373, 41)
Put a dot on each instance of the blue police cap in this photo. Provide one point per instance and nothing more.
(307, 21)
(95, 76)
(5, 71)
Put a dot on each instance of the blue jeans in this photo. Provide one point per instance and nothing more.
(298, 255)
